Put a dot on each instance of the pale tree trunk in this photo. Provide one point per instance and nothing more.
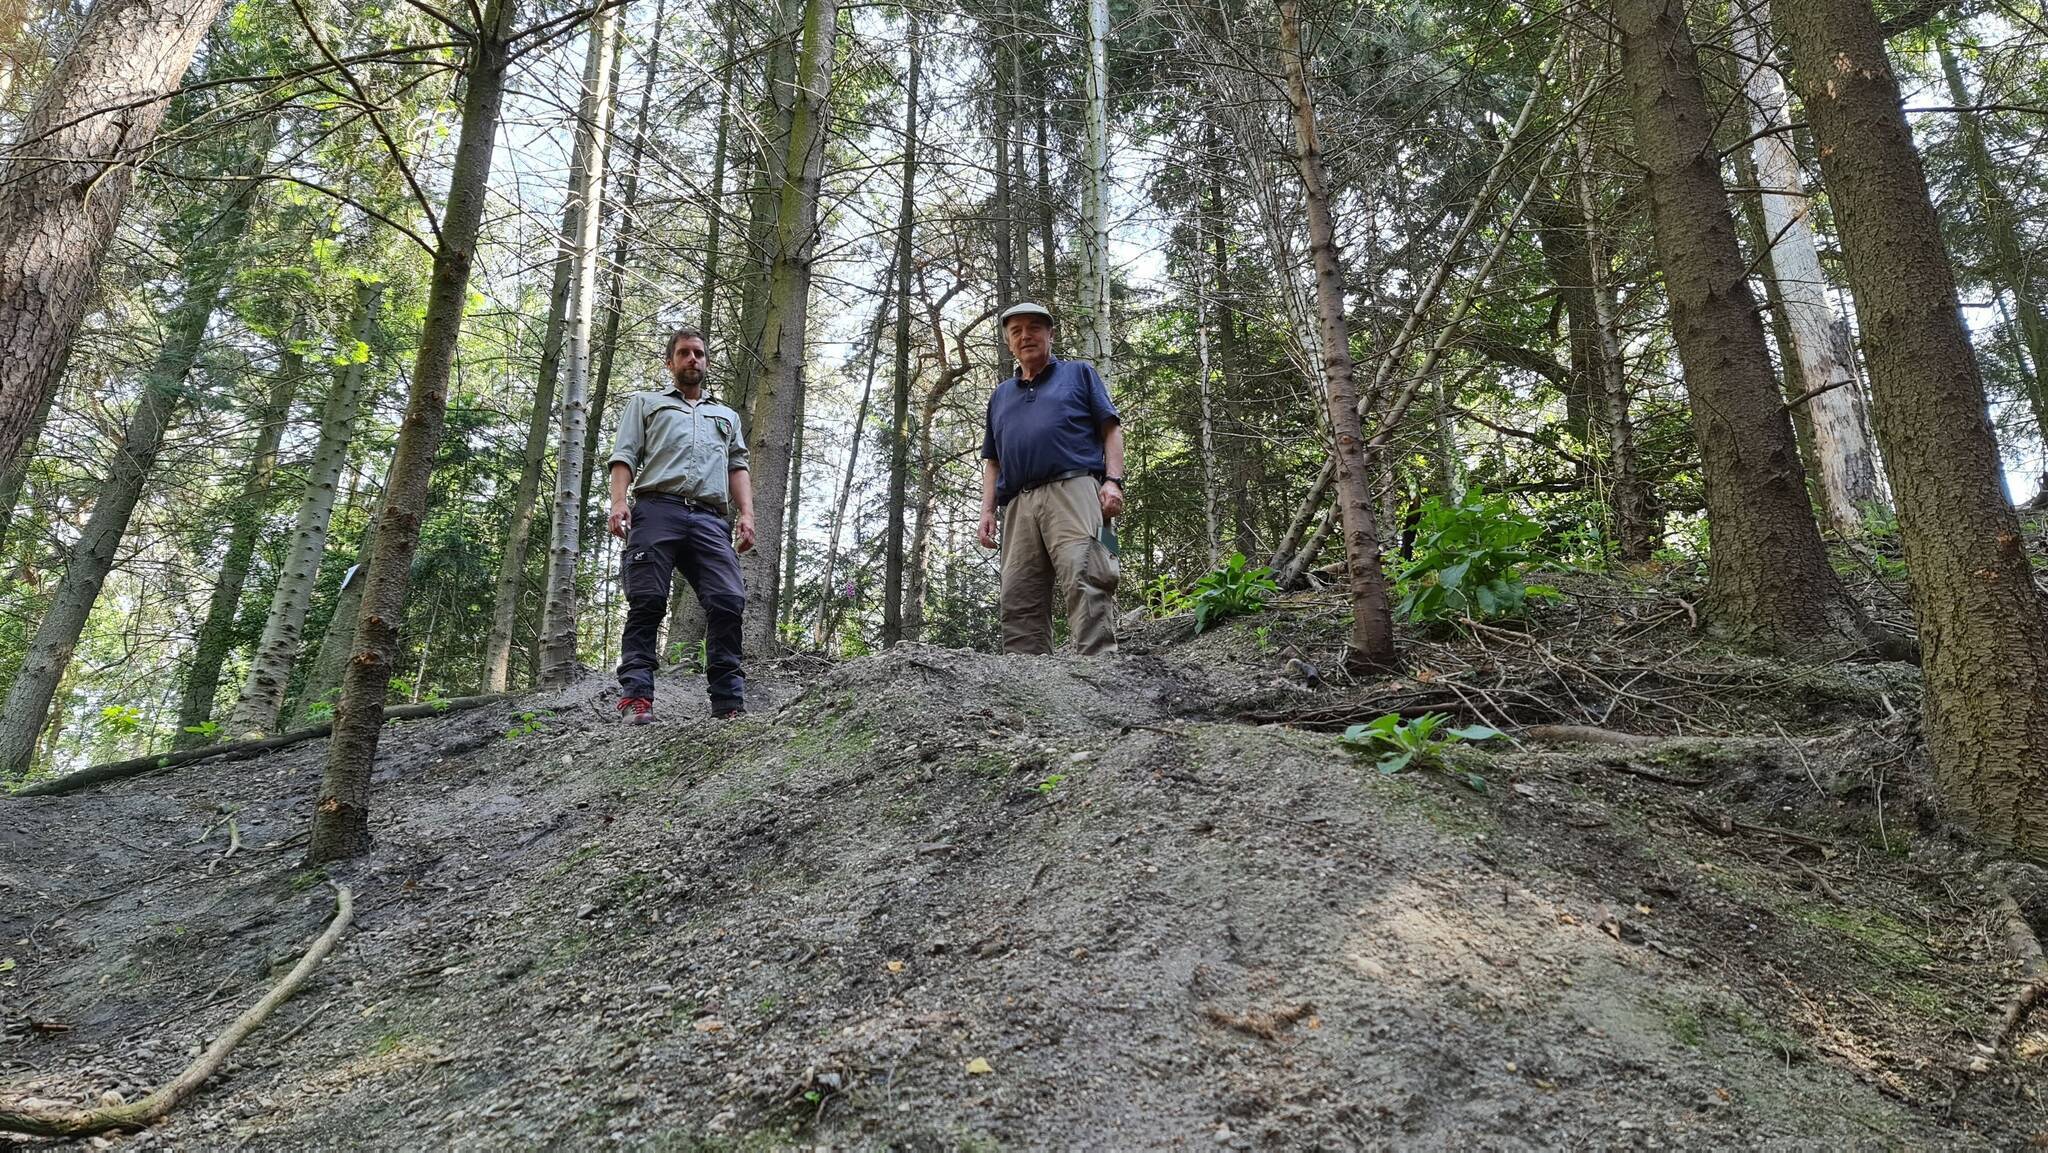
(2008, 254)
(558, 622)
(791, 515)
(893, 624)
(1827, 361)
(778, 395)
(1095, 324)
(341, 818)
(1372, 625)
(1005, 207)
(1048, 237)
(860, 425)
(209, 270)
(202, 681)
(1768, 579)
(323, 675)
(511, 584)
(1982, 626)
(270, 669)
(719, 160)
(62, 191)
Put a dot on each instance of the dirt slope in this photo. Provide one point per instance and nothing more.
(1151, 924)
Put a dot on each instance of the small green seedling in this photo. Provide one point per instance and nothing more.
(1050, 783)
(207, 729)
(1399, 745)
(528, 723)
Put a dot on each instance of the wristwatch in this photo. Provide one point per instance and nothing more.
(1115, 480)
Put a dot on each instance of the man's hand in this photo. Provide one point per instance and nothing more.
(746, 532)
(621, 519)
(988, 529)
(1112, 495)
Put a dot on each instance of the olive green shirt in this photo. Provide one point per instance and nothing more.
(680, 447)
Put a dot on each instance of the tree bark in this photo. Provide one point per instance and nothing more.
(1768, 579)
(202, 681)
(341, 819)
(719, 159)
(593, 124)
(62, 191)
(1372, 627)
(270, 670)
(511, 584)
(860, 426)
(14, 473)
(899, 388)
(1820, 338)
(1095, 323)
(323, 676)
(1981, 620)
(210, 267)
(778, 393)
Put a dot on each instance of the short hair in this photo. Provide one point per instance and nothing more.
(678, 335)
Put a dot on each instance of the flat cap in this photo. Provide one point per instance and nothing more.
(1025, 308)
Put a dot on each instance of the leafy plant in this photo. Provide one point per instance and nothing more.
(121, 720)
(1231, 590)
(322, 710)
(1164, 597)
(1398, 745)
(207, 729)
(1051, 782)
(528, 723)
(1469, 561)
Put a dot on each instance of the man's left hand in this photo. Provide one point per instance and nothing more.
(1112, 495)
(746, 533)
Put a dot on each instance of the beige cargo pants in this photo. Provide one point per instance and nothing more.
(1051, 534)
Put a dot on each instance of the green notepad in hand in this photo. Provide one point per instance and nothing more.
(1108, 538)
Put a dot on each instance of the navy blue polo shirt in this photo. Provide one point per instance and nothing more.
(1052, 424)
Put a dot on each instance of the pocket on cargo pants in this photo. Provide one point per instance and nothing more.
(645, 571)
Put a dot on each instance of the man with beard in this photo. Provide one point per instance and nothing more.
(685, 460)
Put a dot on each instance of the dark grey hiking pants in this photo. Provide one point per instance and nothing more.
(668, 535)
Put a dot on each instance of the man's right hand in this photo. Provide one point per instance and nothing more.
(621, 519)
(988, 529)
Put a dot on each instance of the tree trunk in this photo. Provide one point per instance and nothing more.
(1095, 324)
(593, 127)
(1372, 626)
(1005, 211)
(270, 671)
(893, 631)
(210, 268)
(1245, 475)
(341, 819)
(596, 468)
(1752, 207)
(792, 515)
(1768, 579)
(1048, 237)
(719, 159)
(778, 393)
(1827, 360)
(860, 425)
(62, 190)
(323, 676)
(1211, 534)
(202, 681)
(511, 584)
(1982, 626)
(2008, 254)
(14, 473)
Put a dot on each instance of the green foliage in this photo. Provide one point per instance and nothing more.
(207, 729)
(1231, 590)
(1397, 745)
(1163, 597)
(1469, 561)
(121, 720)
(529, 722)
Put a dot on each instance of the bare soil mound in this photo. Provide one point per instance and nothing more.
(938, 900)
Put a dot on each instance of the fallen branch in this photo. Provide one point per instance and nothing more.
(2020, 938)
(1585, 735)
(66, 1122)
(236, 751)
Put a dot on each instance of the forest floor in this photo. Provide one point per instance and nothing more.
(941, 900)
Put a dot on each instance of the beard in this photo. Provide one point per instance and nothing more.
(688, 377)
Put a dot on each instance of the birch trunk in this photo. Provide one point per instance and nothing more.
(778, 394)
(593, 121)
(860, 425)
(341, 818)
(67, 179)
(1982, 625)
(202, 681)
(261, 700)
(1095, 322)
(1372, 626)
(1827, 360)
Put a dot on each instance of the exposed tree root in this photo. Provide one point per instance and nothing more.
(238, 750)
(2025, 945)
(1585, 735)
(1257, 1022)
(63, 1122)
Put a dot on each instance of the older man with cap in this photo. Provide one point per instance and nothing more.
(1053, 467)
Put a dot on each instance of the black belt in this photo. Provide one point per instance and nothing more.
(686, 501)
(1055, 479)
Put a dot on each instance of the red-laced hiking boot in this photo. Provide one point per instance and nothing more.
(636, 710)
(728, 713)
